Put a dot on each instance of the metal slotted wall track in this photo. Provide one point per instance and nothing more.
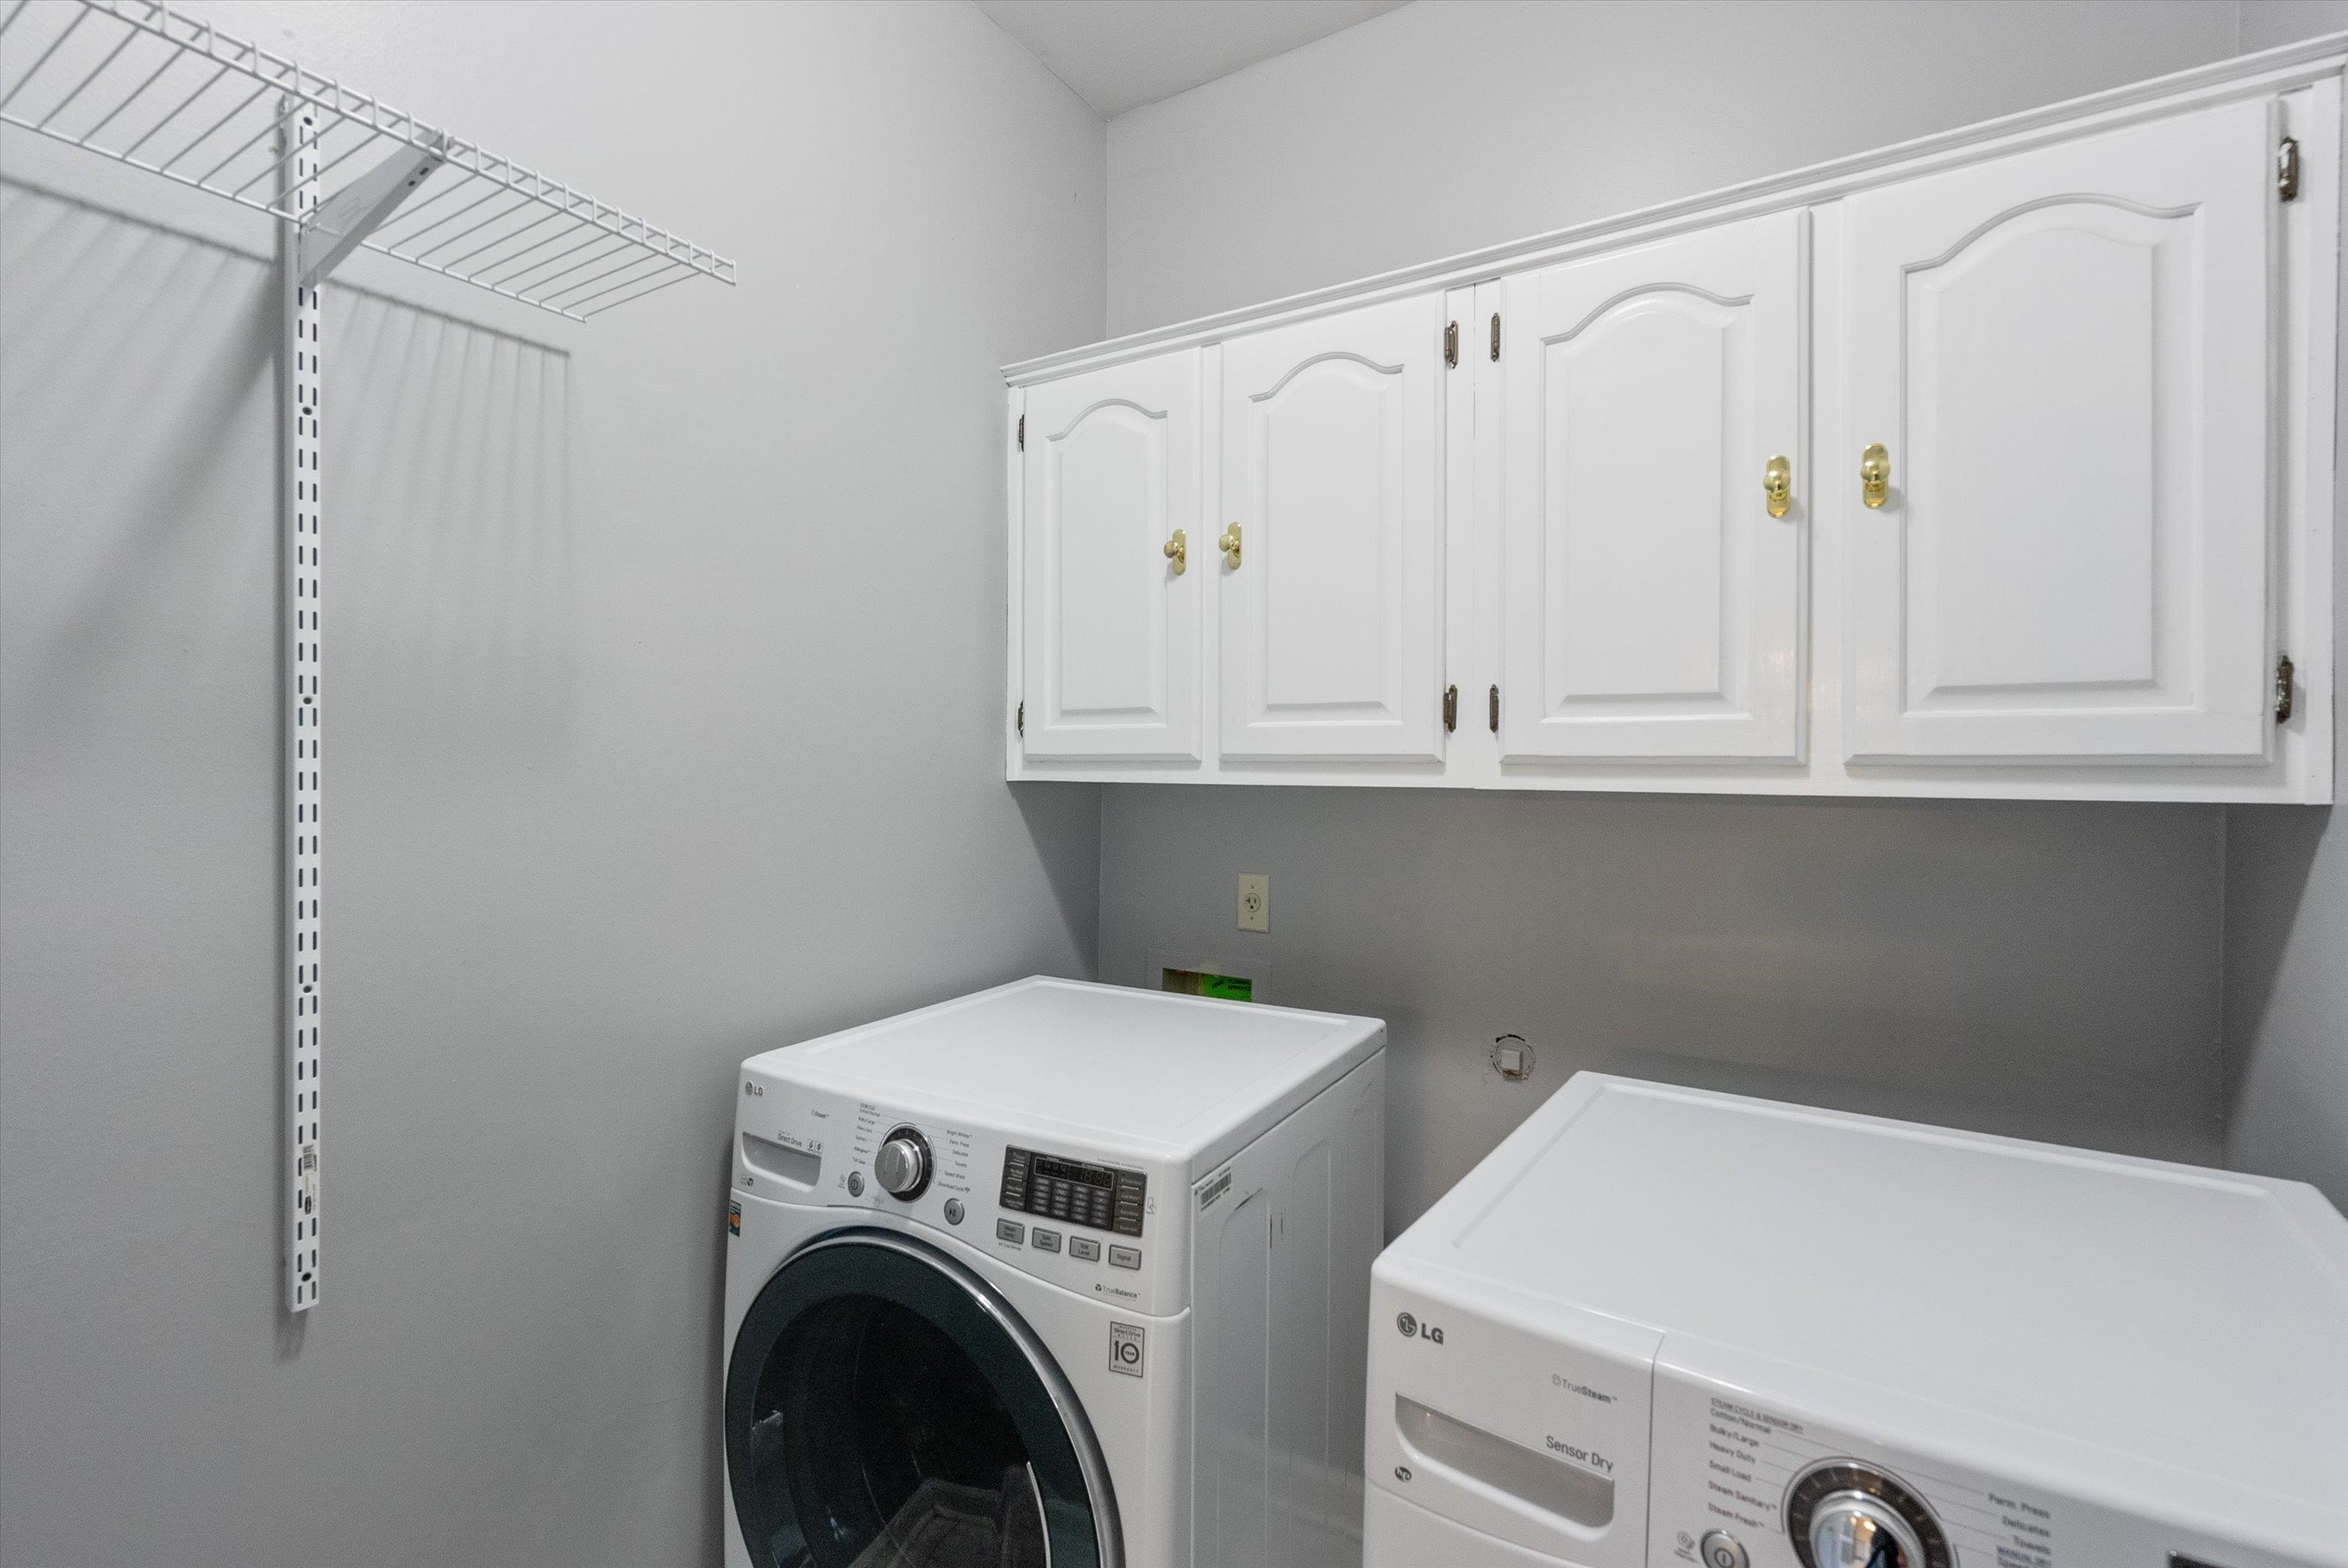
(298, 567)
(139, 83)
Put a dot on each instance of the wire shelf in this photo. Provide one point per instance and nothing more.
(136, 82)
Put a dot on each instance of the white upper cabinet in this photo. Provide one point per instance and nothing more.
(1651, 586)
(2065, 354)
(1332, 603)
(1110, 620)
(1999, 464)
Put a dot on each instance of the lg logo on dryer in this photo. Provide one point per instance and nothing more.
(1411, 1329)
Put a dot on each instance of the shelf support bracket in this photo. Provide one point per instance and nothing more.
(338, 225)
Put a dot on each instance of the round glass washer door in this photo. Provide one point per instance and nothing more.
(886, 1409)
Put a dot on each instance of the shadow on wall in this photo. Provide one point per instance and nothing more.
(451, 488)
(1063, 823)
(2257, 935)
(78, 374)
(139, 522)
(447, 449)
(2287, 994)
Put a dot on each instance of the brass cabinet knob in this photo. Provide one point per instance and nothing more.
(1874, 474)
(1178, 551)
(1229, 545)
(1778, 485)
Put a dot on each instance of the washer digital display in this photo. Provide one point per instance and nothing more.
(1074, 1192)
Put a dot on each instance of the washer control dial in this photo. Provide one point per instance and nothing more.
(1845, 1514)
(902, 1166)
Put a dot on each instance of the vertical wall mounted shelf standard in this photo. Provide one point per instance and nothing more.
(145, 86)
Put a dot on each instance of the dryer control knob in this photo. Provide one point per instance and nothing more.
(1856, 1532)
(1846, 1513)
(902, 1166)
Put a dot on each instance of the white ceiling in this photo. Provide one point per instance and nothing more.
(1121, 54)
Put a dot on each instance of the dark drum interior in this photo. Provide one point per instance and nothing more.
(880, 1415)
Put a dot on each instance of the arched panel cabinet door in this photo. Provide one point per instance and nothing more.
(1109, 619)
(1332, 470)
(1651, 602)
(884, 1404)
(2065, 356)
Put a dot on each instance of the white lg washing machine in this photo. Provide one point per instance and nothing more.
(1056, 1274)
(1663, 1326)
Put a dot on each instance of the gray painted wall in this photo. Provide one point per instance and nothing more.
(663, 683)
(1452, 124)
(2048, 970)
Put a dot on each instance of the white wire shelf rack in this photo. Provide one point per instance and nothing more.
(137, 82)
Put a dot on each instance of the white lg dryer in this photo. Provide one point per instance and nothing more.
(1666, 1326)
(1056, 1274)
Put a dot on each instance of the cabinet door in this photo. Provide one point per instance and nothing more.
(1332, 457)
(1651, 605)
(2065, 354)
(1109, 625)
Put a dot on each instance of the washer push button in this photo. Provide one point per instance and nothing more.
(1010, 1231)
(1132, 1188)
(1718, 1548)
(1125, 1258)
(1085, 1250)
(1044, 1241)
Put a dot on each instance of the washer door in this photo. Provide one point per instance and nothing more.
(886, 1409)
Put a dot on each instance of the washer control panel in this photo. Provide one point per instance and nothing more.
(1070, 1216)
(1074, 1192)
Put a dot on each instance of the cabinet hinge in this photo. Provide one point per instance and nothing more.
(2284, 690)
(1019, 721)
(1493, 713)
(1451, 346)
(2287, 168)
(1450, 709)
(1023, 432)
(1496, 337)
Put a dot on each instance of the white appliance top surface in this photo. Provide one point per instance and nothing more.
(1176, 1075)
(2156, 1309)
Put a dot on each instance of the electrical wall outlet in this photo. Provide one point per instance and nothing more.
(1255, 901)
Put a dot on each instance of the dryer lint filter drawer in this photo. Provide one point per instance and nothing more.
(1535, 1436)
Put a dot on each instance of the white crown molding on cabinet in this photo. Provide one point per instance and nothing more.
(2272, 70)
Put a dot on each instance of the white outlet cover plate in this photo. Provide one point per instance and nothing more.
(1255, 902)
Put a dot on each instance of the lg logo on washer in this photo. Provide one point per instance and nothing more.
(1411, 1329)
